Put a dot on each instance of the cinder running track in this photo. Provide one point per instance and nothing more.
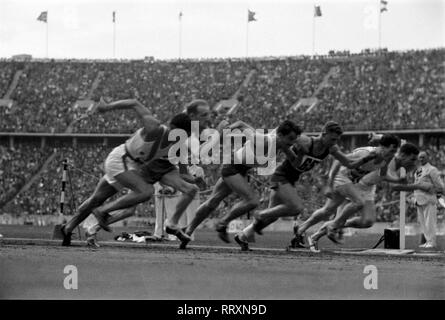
(29, 270)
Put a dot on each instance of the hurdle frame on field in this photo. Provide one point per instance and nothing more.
(65, 174)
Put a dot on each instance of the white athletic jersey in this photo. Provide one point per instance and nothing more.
(367, 184)
(346, 175)
(141, 150)
(246, 155)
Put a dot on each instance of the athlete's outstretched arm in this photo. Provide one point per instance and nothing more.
(240, 125)
(328, 190)
(389, 174)
(391, 179)
(247, 130)
(347, 161)
(333, 172)
(149, 122)
(414, 186)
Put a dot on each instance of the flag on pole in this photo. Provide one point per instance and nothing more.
(317, 11)
(383, 4)
(114, 16)
(251, 16)
(43, 16)
(180, 15)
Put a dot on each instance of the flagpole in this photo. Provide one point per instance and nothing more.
(247, 38)
(47, 45)
(114, 39)
(180, 34)
(380, 28)
(313, 34)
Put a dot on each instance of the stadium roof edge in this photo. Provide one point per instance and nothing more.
(123, 135)
(365, 53)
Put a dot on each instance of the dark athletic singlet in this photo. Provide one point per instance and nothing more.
(286, 172)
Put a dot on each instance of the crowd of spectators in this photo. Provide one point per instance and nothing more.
(164, 88)
(45, 96)
(17, 166)
(86, 167)
(394, 90)
(43, 197)
(8, 70)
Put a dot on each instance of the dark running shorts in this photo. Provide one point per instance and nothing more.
(284, 173)
(155, 170)
(233, 169)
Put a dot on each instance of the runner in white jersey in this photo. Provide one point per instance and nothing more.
(197, 110)
(342, 186)
(136, 165)
(234, 179)
(366, 186)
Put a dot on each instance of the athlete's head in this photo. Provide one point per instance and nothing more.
(374, 139)
(407, 156)
(198, 110)
(423, 157)
(389, 144)
(181, 121)
(331, 133)
(288, 132)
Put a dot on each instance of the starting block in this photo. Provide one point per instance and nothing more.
(391, 238)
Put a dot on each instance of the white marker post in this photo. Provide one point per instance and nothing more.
(402, 213)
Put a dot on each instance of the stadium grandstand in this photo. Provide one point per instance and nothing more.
(380, 91)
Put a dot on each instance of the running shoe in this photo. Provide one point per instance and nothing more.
(298, 240)
(92, 240)
(184, 243)
(244, 245)
(66, 242)
(222, 232)
(313, 245)
(174, 230)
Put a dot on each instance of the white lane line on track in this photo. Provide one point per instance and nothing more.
(343, 251)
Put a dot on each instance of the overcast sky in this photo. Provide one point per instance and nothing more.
(214, 28)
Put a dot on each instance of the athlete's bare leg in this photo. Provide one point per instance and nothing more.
(287, 203)
(239, 185)
(331, 205)
(321, 214)
(142, 191)
(365, 220)
(219, 193)
(115, 216)
(320, 232)
(174, 180)
(356, 204)
(102, 192)
(367, 209)
(249, 231)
